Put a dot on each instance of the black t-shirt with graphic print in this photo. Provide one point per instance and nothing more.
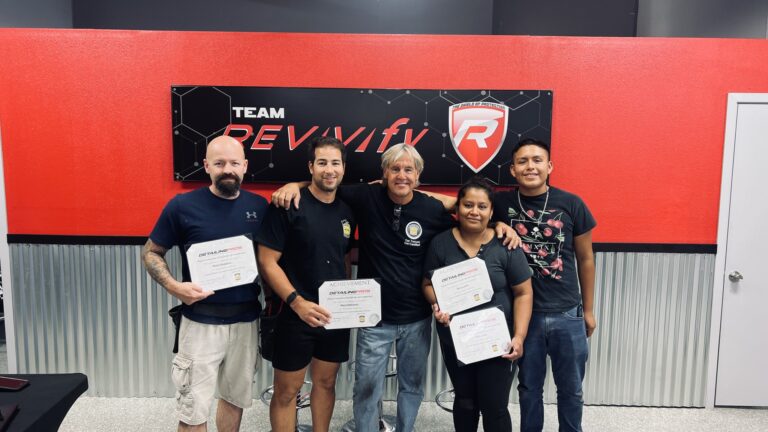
(313, 239)
(393, 246)
(548, 242)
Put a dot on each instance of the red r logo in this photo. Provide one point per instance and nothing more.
(478, 130)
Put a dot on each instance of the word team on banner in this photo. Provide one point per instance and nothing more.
(459, 133)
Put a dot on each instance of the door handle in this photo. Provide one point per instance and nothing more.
(735, 276)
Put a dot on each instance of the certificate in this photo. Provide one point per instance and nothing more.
(352, 303)
(224, 263)
(462, 286)
(480, 335)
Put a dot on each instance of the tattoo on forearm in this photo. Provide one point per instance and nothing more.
(154, 262)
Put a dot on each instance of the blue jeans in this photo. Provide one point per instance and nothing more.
(373, 347)
(562, 336)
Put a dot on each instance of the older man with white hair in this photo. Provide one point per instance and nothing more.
(396, 223)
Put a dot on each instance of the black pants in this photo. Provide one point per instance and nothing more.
(481, 387)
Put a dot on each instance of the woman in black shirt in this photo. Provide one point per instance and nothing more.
(482, 387)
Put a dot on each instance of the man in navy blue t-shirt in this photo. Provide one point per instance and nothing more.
(556, 229)
(217, 338)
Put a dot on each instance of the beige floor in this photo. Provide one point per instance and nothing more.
(113, 414)
(157, 414)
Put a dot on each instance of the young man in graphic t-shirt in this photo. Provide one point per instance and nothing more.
(555, 227)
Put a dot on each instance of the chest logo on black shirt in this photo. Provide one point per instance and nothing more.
(251, 216)
(542, 241)
(413, 230)
(346, 228)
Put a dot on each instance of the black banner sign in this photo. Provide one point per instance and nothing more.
(457, 132)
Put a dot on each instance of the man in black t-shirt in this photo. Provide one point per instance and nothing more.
(217, 336)
(556, 229)
(300, 249)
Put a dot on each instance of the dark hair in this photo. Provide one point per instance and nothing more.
(324, 141)
(476, 182)
(530, 141)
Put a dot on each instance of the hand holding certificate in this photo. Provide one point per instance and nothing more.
(480, 335)
(223, 263)
(352, 303)
(462, 286)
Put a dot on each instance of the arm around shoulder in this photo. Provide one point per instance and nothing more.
(448, 202)
(288, 194)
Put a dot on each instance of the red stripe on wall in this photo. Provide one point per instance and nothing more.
(638, 123)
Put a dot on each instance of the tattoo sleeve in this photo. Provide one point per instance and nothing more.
(153, 257)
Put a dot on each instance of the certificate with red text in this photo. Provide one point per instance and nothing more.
(352, 303)
(462, 286)
(223, 263)
(480, 335)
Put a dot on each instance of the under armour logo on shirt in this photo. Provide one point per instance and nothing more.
(251, 215)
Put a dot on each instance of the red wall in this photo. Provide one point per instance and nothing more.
(637, 130)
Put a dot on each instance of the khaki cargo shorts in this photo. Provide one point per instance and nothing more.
(211, 354)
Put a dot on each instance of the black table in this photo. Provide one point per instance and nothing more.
(44, 403)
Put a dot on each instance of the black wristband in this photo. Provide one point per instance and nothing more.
(291, 297)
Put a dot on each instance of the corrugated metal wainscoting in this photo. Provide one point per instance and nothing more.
(93, 309)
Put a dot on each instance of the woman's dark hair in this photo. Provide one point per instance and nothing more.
(476, 182)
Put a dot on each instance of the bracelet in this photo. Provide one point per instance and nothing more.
(291, 297)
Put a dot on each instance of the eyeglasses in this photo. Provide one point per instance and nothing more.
(396, 218)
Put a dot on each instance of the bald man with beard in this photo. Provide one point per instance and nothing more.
(218, 333)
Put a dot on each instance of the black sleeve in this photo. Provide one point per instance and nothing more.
(500, 206)
(434, 259)
(517, 270)
(444, 219)
(354, 195)
(166, 230)
(274, 230)
(583, 220)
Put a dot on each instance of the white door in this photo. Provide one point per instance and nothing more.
(742, 363)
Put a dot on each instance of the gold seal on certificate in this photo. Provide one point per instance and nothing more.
(462, 286)
(480, 335)
(352, 303)
(223, 263)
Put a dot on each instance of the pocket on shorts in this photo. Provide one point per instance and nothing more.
(181, 368)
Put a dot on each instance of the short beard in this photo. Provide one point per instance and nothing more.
(227, 189)
(320, 185)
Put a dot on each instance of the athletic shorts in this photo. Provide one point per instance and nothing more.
(296, 343)
(213, 357)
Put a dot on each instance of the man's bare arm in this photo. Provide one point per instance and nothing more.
(153, 257)
(310, 312)
(585, 260)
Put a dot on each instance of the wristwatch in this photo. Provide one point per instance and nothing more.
(291, 297)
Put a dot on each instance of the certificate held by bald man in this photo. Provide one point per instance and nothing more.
(223, 263)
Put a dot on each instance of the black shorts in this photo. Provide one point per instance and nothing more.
(296, 343)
